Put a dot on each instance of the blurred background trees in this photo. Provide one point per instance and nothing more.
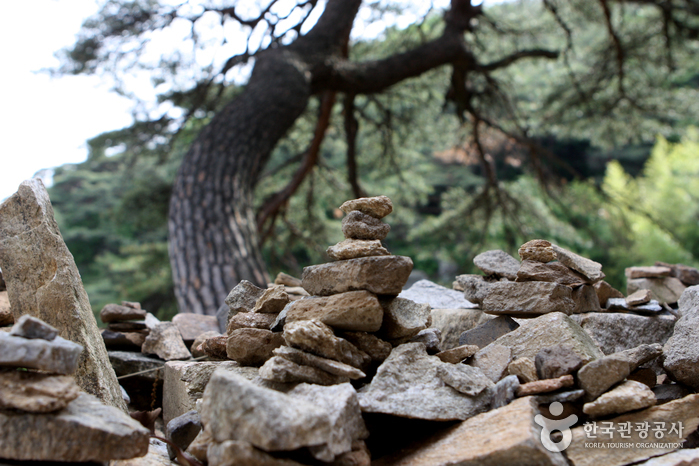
(592, 150)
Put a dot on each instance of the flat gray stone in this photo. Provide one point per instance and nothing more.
(498, 263)
(377, 274)
(669, 392)
(430, 337)
(43, 281)
(549, 330)
(272, 300)
(407, 385)
(437, 296)
(652, 271)
(628, 396)
(504, 391)
(555, 272)
(58, 356)
(687, 275)
(279, 369)
(354, 248)
(464, 379)
(493, 361)
(475, 287)
(102, 433)
(589, 268)
(620, 304)
(605, 291)
(182, 430)
(119, 313)
(328, 365)
(251, 320)
(614, 332)
(528, 299)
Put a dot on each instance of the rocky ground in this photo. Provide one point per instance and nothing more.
(536, 361)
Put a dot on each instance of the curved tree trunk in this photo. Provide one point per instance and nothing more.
(213, 236)
(213, 240)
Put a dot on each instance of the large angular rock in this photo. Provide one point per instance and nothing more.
(555, 272)
(488, 331)
(407, 385)
(347, 425)
(549, 330)
(35, 392)
(475, 287)
(319, 339)
(182, 431)
(165, 341)
(42, 280)
(118, 313)
(628, 396)
(243, 297)
(272, 300)
(437, 296)
(354, 248)
(192, 325)
(185, 383)
(614, 332)
(252, 346)
(377, 274)
(538, 250)
(528, 299)
(377, 349)
(665, 290)
(590, 269)
(682, 349)
(498, 263)
(508, 435)
(684, 411)
(235, 408)
(357, 225)
(377, 207)
(403, 318)
(86, 430)
(452, 323)
(59, 356)
(353, 310)
(598, 376)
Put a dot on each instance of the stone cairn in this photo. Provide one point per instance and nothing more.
(344, 367)
(39, 400)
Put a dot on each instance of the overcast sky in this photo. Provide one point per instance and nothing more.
(45, 122)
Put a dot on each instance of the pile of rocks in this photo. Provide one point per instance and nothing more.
(39, 400)
(666, 282)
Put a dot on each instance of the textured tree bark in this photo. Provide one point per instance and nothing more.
(213, 237)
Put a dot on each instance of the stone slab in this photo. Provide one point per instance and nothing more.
(377, 274)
